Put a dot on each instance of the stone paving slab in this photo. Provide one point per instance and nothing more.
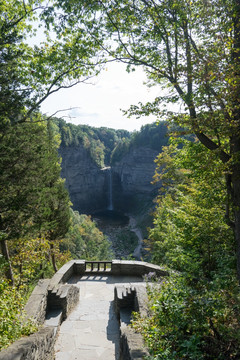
(92, 331)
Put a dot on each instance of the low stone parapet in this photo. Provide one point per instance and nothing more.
(43, 304)
(135, 268)
(64, 297)
(118, 268)
(131, 345)
(39, 346)
(36, 306)
(126, 301)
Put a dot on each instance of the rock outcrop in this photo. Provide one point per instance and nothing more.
(132, 177)
(85, 181)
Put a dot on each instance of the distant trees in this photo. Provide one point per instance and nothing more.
(106, 146)
(154, 136)
(99, 142)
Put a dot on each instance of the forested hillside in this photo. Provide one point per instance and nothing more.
(106, 146)
(100, 142)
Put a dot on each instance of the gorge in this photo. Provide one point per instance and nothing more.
(120, 187)
(108, 175)
(122, 181)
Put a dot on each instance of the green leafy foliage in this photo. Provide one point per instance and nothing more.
(84, 240)
(107, 146)
(193, 314)
(12, 323)
(99, 142)
(153, 136)
(187, 322)
(34, 203)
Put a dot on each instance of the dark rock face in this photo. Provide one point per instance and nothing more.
(85, 181)
(133, 176)
(88, 185)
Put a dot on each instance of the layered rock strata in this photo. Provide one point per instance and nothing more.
(85, 181)
(88, 185)
(133, 177)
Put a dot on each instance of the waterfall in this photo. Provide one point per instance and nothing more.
(110, 195)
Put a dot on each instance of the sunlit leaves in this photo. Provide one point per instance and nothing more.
(12, 324)
(84, 240)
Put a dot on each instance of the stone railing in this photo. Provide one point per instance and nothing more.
(114, 267)
(98, 266)
(56, 297)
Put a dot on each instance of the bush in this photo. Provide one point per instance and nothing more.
(192, 323)
(12, 324)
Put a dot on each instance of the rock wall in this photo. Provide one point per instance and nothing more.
(132, 177)
(85, 181)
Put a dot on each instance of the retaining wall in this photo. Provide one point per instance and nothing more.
(126, 301)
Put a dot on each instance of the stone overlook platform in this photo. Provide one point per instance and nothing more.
(85, 312)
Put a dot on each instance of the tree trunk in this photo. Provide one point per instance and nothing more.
(9, 271)
(236, 198)
(53, 257)
(235, 140)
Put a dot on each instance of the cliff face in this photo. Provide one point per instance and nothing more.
(85, 181)
(132, 177)
(89, 186)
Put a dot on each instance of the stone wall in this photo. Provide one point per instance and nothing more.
(136, 268)
(126, 301)
(118, 268)
(39, 346)
(36, 306)
(45, 300)
(64, 297)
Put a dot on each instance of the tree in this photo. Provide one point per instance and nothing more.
(84, 240)
(191, 47)
(29, 74)
(193, 315)
(32, 195)
(189, 233)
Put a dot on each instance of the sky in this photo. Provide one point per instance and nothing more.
(100, 103)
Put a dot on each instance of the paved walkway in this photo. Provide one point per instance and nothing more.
(92, 331)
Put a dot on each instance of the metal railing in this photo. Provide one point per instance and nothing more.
(98, 266)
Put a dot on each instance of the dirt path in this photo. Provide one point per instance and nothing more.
(137, 254)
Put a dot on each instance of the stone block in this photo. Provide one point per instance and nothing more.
(37, 302)
(63, 274)
(39, 346)
(79, 267)
(131, 345)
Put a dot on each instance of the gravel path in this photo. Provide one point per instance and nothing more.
(137, 254)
